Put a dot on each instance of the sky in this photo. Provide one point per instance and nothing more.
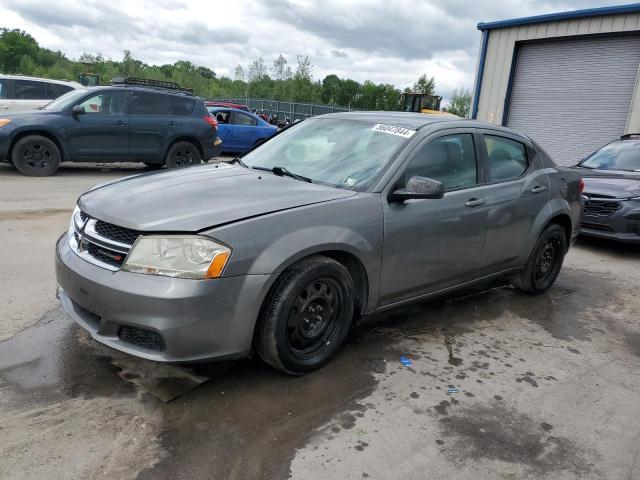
(390, 41)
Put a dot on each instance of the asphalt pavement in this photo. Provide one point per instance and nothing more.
(484, 384)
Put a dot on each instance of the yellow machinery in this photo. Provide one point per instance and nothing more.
(422, 103)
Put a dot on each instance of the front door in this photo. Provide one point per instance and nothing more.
(101, 132)
(244, 130)
(435, 243)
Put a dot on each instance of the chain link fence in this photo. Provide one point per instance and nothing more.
(295, 111)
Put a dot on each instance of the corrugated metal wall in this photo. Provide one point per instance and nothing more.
(573, 94)
(500, 50)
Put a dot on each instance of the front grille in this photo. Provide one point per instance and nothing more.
(142, 338)
(102, 243)
(597, 226)
(116, 233)
(105, 255)
(601, 208)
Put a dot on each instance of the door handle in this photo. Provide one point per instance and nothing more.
(475, 202)
(4, 107)
(120, 123)
(538, 189)
(173, 124)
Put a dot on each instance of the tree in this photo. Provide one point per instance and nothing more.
(238, 74)
(14, 45)
(426, 85)
(280, 70)
(460, 103)
(257, 70)
(330, 89)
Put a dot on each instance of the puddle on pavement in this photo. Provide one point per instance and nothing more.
(248, 420)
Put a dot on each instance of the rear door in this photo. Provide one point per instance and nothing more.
(245, 129)
(435, 243)
(101, 132)
(223, 117)
(30, 95)
(6, 85)
(150, 125)
(518, 190)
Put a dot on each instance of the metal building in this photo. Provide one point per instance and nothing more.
(569, 80)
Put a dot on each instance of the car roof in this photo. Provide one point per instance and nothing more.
(40, 79)
(166, 91)
(416, 121)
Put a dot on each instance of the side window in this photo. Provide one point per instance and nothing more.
(105, 103)
(144, 103)
(30, 90)
(450, 160)
(181, 105)
(222, 116)
(4, 94)
(507, 158)
(59, 90)
(241, 119)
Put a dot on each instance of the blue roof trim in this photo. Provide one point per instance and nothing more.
(480, 73)
(552, 17)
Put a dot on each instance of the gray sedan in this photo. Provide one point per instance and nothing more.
(329, 221)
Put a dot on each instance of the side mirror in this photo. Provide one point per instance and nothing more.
(418, 188)
(77, 110)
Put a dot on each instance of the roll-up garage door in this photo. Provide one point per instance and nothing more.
(574, 95)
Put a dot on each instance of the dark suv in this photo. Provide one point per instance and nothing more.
(118, 123)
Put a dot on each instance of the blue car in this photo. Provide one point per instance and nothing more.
(240, 130)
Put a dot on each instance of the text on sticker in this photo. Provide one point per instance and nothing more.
(401, 132)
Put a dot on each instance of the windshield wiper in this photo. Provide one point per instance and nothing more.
(283, 172)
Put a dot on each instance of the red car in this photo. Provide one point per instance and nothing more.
(237, 106)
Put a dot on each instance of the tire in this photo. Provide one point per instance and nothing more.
(154, 166)
(182, 154)
(306, 316)
(36, 156)
(545, 262)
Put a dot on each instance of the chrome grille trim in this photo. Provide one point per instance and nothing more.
(82, 234)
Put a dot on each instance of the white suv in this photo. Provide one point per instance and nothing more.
(18, 93)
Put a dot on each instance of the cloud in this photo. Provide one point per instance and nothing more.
(386, 41)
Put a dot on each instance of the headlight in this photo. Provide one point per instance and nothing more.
(4, 121)
(180, 256)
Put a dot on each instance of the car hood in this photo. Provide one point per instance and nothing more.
(611, 184)
(27, 116)
(196, 198)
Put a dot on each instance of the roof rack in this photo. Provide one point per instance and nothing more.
(627, 136)
(148, 83)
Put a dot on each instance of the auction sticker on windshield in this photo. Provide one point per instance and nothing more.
(393, 130)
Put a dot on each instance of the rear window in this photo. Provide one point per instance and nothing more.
(145, 103)
(507, 158)
(181, 105)
(32, 90)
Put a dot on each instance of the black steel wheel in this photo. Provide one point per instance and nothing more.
(36, 156)
(545, 261)
(307, 315)
(182, 154)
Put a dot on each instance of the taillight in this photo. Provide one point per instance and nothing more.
(211, 121)
(581, 186)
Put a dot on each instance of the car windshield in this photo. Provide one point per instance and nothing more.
(621, 155)
(340, 153)
(67, 100)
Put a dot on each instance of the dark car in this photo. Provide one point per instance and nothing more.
(240, 130)
(612, 191)
(122, 123)
(338, 217)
